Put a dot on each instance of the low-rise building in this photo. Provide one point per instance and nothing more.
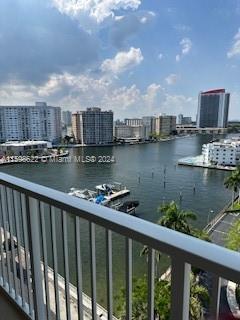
(124, 131)
(24, 148)
(225, 152)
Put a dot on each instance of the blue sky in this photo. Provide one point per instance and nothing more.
(135, 57)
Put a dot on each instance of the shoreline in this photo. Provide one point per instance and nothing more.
(79, 145)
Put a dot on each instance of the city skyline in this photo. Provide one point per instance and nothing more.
(120, 67)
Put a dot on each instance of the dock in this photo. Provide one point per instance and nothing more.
(198, 162)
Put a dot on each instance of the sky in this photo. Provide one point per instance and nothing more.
(135, 57)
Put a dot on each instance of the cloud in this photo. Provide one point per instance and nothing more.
(172, 79)
(160, 56)
(234, 111)
(178, 57)
(98, 10)
(78, 91)
(235, 49)
(123, 61)
(175, 104)
(37, 41)
(125, 27)
(186, 46)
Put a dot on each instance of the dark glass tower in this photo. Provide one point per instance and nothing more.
(213, 109)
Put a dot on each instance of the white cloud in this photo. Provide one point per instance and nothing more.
(118, 18)
(171, 79)
(175, 104)
(235, 49)
(79, 92)
(234, 110)
(149, 15)
(76, 92)
(123, 61)
(143, 20)
(182, 28)
(98, 10)
(186, 46)
(160, 56)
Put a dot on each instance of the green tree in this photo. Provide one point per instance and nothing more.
(233, 237)
(232, 182)
(176, 219)
(162, 299)
(67, 139)
(200, 234)
(233, 243)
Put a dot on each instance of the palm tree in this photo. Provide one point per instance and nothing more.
(176, 219)
(233, 182)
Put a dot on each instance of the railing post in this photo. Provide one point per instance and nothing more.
(32, 210)
(215, 297)
(151, 279)
(180, 289)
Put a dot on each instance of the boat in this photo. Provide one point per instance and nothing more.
(88, 195)
(103, 194)
(112, 191)
(128, 206)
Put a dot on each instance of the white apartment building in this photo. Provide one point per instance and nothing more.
(24, 148)
(226, 152)
(93, 126)
(38, 122)
(124, 131)
(133, 122)
(150, 125)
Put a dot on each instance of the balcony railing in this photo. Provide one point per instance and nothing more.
(29, 220)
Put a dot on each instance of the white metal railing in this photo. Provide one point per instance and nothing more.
(24, 271)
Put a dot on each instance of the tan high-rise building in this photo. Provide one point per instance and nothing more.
(93, 126)
(165, 124)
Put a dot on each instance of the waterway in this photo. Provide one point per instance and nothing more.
(142, 169)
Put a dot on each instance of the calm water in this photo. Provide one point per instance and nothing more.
(141, 168)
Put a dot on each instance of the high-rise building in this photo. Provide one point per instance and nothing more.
(213, 108)
(149, 125)
(67, 118)
(39, 122)
(165, 124)
(183, 120)
(93, 126)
